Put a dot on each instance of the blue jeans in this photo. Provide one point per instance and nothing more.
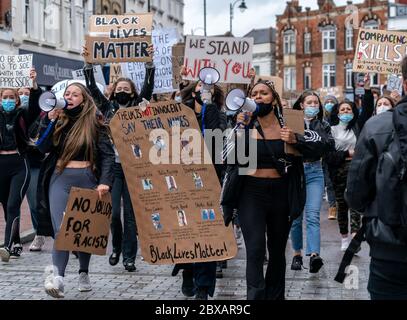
(124, 238)
(32, 196)
(314, 178)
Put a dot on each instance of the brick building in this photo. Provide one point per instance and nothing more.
(315, 48)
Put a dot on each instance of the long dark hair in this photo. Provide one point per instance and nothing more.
(301, 99)
(335, 113)
(112, 96)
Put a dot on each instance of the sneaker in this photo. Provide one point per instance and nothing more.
(332, 213)
(315, 263)
(297, 263)
(344, 244)
(54, 286)
(114, 258)
(219, 272)
(4, 254)
(129, 266)
(202, 294)
(37, 243)
(187, 287)
(15, 253)
(84, 282)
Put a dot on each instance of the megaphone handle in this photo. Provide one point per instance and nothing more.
(46, 133)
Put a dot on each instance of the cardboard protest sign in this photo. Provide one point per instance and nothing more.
(59, 88)
(115, 72)
(115, 38)
(278, 83)
(232, 57)
(395, 83)
(163, 40)
(337, 92)
(86, 223)
(178, 52)
(97, 71)
(15, 71)
(380, 51)
(173, 185)
(294, 119)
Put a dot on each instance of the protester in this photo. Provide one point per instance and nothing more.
(383, 104)
(15, 171)
(80, 155)
(376, 185)
(314, 145)
(346, 124)
(285, 104)
(199, 279)
(123, 95)
(269, 197)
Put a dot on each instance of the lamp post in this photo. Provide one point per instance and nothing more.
(205, 18)
(148, 6)
(242, 8)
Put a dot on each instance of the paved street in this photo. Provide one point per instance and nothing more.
(23, 278)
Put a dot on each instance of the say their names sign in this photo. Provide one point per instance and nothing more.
(15, 71)
(232, 57)
(114, 38)
(380, 51)
(174, 191)
(86, 223)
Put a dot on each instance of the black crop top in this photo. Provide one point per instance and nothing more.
(81, 155)
(264, 149)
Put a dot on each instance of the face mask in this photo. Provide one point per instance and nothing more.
(73, 113)
(178, 99)
(24, 100)
(8, 105)
(311, 112)
(123, 98)
(329, 106)
(263, 109)
(198, 97)
(345, 118)
(382, 109)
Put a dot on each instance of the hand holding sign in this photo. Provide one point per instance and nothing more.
(367, 81)
(102, 189)
(33, 77)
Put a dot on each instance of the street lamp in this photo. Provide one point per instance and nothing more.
(242, 8)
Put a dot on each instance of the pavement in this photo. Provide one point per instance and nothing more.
(22, 279)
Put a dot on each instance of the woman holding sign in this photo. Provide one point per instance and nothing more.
(80, 155)
(123, 95)
(15, 171)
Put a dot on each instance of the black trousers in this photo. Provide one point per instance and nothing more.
(387, 280)
(264, 208)
(14, 182)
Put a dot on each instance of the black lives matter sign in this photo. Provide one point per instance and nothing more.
(119, 38)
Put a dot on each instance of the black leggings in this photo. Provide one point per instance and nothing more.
(14, 181)
(264, 208)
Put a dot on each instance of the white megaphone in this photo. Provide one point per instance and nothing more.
(236, 100)
(48, 102)
(209, 76)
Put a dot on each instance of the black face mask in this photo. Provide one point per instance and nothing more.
(263, 109)
(198, 97)
(123, 98)
(73, 113)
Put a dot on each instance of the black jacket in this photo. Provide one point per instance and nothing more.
(316, 142)
(104, 155)
(361, 192)
(109, 108)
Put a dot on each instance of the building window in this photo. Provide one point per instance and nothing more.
(289, 79)
(329, 40)
(307, 78)
(349, 77)
(27, 15)
(328, 72)
(374, 82)
(289, 42)
(257, 68)
(371, 24)
(349, 39)
(307, 42)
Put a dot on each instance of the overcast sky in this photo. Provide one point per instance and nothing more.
(260, 14)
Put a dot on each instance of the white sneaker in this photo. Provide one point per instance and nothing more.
(4, 254)
(37, 243)
(54, 286)
(84, 282)
(344, 244)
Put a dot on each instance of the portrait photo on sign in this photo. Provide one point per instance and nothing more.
(204, 214)
(211, 214)
(182, 219)
(155, 218)
(136, 151)
(197, 180)
(184, 144)
(147, 184)
(171, 184)
(159, 143)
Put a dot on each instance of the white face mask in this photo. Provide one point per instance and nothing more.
(382, 109)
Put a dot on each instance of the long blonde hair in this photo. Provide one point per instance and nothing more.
(83, 132)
